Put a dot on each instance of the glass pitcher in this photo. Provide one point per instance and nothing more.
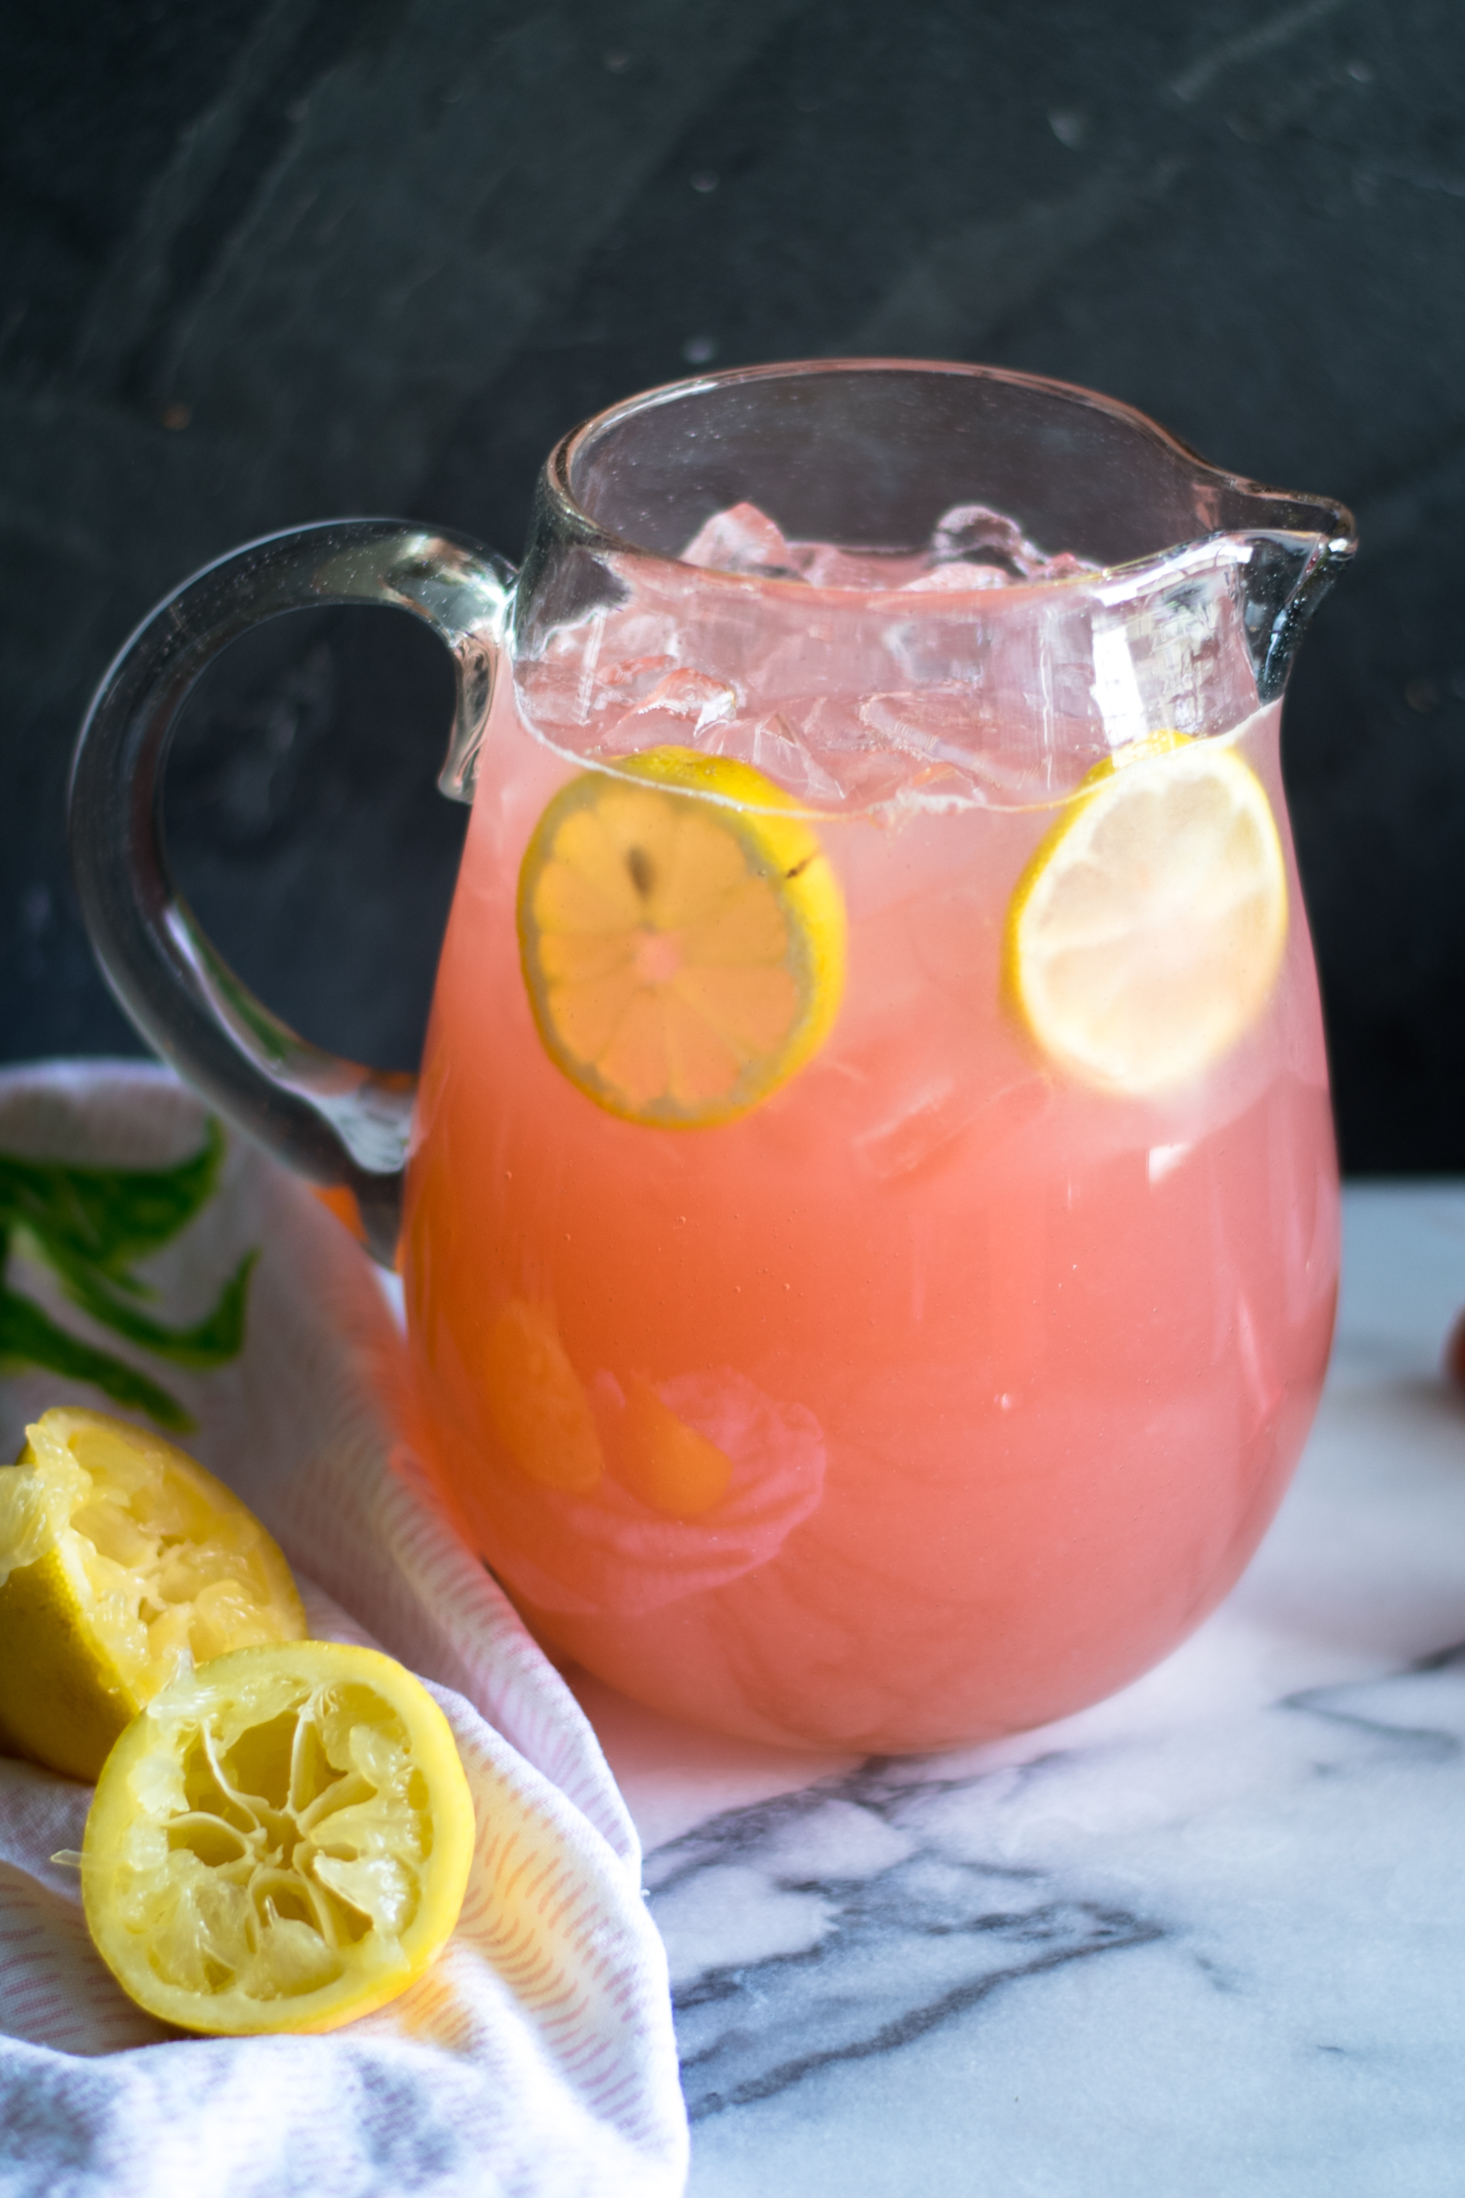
(868, 1215)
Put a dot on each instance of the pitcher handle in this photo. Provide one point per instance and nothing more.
(332, 1120)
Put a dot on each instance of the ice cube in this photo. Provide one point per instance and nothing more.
(814, 750)
(979, 535)
(695, 697)
(932, 722)
(824, 566)
(976, 535)
(947, 579)
(633, 677)
(741, 539)
(681, 706)
(963, 744)
(778, 751)
(973, 546)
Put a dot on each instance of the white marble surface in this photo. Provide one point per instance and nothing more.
(1208, 1938)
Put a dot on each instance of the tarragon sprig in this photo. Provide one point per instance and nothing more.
(90, 1226)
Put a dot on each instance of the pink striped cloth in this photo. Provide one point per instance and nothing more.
(536, 2057)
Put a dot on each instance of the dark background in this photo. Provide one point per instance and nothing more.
(264, 261)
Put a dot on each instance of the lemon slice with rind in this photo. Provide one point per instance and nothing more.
(682, 935)
(1146, 934)
(280, 1841)
(120, 1561)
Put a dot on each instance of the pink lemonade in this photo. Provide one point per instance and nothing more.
(993, 1378)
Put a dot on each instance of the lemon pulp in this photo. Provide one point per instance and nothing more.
(280, 1841)
(682, 937)
(1147, 932)
(120, 1560)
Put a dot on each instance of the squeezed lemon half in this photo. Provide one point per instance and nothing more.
(280, 1841)
(542, 1414)
(682, 935)
(120, 1561)
(1147, 932)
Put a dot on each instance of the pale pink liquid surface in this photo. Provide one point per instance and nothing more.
(1013, 1372)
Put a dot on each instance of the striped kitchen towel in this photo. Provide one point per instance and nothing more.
(536, 2056)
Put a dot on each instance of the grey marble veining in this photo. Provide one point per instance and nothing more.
(1208, 1937)
(864, 1926)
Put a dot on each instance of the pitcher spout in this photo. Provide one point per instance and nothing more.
(1284, 578)
(1292, 548)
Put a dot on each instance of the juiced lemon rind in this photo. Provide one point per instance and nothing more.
(121, 1560)
(281, 1841)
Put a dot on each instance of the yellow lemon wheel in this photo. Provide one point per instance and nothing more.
(280, 1841)
(1147, 932)
(682, 936)
(121, 1560)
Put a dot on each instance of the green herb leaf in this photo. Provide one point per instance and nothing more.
(29, 1337)
(212, 1341)
(106, 1218)
(89, 1225)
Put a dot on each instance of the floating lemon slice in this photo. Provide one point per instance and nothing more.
(280, 1841)
(120, 1561)
(1147, 932)
(682, 935)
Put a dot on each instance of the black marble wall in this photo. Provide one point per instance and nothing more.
(269, 260)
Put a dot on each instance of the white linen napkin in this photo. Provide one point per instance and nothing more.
(536, 2057)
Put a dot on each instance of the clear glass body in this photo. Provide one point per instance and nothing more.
(1011, 1370)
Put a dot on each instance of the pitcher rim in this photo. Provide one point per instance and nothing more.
(1334, 540)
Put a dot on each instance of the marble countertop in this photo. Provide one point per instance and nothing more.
(1208, 1938)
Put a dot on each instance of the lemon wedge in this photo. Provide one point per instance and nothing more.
(667, 1464)
(682, 935)
(120, 1561)
(536, 1402)
(1146, 934)
(280, 1841)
